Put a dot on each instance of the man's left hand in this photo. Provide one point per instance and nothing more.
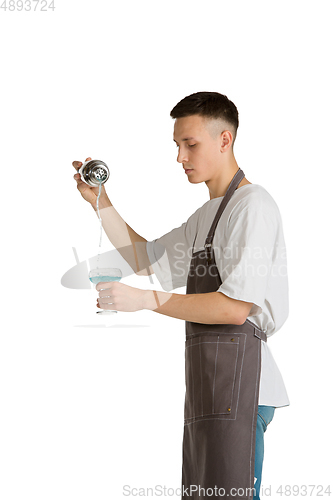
(119, 297)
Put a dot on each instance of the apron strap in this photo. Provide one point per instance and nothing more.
(261, 335)
(226, 198)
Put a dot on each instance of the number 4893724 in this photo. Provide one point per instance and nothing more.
(27, 5)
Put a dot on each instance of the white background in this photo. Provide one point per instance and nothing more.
(87, 406)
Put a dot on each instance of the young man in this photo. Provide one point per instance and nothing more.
(230, 254)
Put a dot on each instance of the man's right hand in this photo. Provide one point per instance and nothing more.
(89, 193)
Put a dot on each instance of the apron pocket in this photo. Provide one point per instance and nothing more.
(212, 375)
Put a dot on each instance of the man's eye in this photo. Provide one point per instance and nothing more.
(192, 145)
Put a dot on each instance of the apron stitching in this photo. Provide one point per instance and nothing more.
(240, 375)
(217, 350)
(207, 415)
(201, 381)
(208, 342)
(235, 373)
(199, 419)
(192, 382)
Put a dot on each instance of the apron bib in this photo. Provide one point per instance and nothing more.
(222, 376)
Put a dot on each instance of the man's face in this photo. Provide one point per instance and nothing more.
(199, 146)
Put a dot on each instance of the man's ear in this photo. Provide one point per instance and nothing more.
(225, 140)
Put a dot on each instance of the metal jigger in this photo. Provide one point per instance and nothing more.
(94, 172)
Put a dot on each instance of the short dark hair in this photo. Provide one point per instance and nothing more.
(208, 105)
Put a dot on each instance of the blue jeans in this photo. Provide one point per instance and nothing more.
(265, 416)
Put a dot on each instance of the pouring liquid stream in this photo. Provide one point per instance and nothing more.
(100, 220)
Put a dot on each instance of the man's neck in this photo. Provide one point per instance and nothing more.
(218, 187)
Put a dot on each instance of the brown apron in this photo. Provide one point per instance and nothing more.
(222, 376)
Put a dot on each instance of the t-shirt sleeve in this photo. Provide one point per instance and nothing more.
(245, 256)
(170, 255)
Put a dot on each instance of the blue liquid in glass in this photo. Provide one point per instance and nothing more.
(98, 279)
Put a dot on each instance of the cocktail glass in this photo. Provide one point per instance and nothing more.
(105, 274)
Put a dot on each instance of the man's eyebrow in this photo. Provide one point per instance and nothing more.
(186, 139)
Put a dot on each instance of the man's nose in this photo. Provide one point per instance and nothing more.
(182, 157)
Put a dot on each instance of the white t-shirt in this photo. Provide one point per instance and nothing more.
(250, 255)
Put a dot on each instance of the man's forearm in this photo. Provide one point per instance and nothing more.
(208, 308)
(129, 244)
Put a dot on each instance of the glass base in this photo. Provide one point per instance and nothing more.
(106, 312)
